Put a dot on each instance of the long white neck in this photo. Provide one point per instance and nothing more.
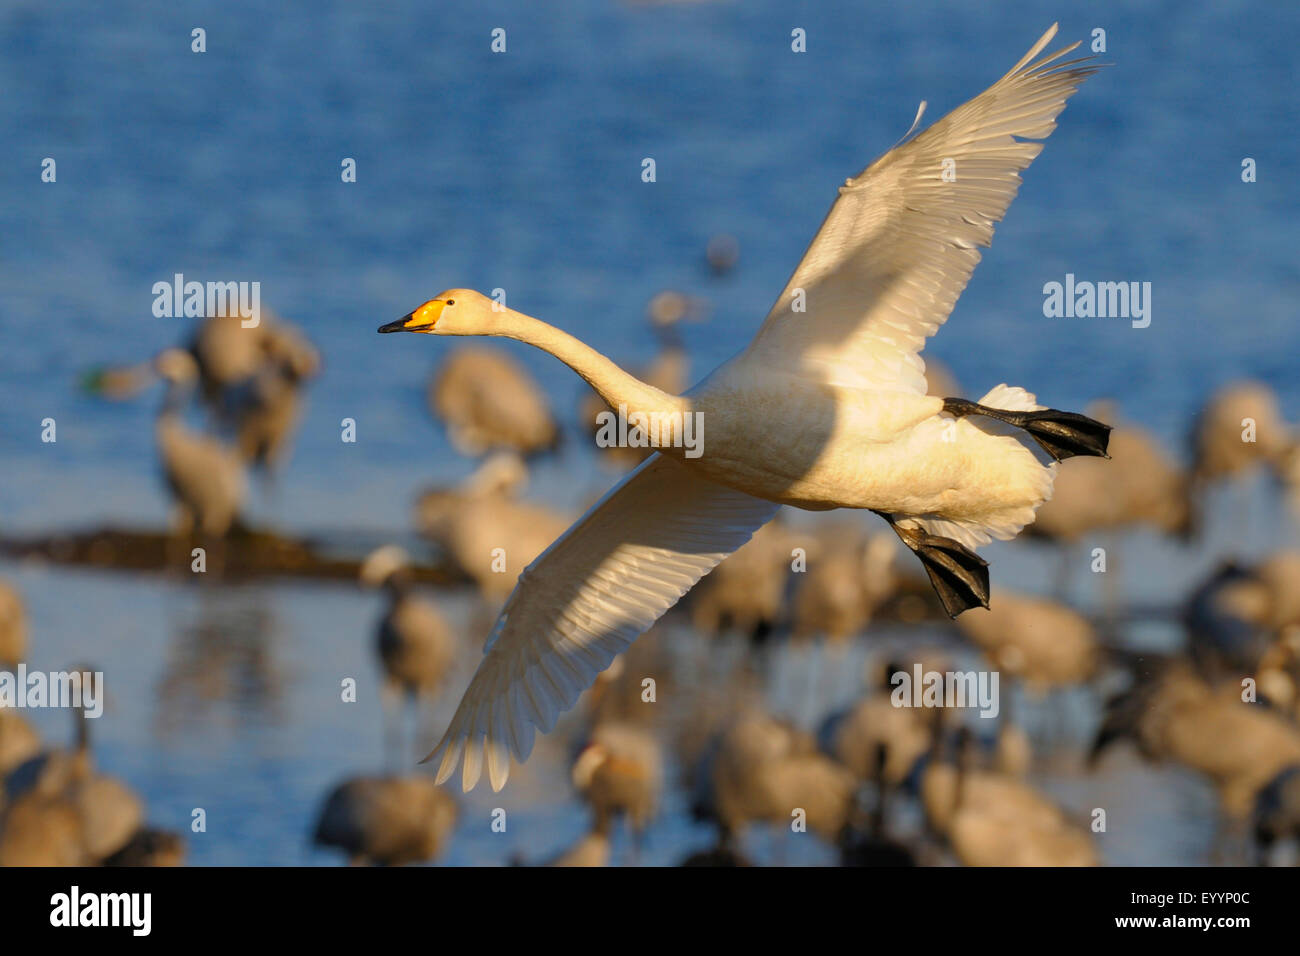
(611, 382)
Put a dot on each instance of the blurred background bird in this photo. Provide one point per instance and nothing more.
(754, 724)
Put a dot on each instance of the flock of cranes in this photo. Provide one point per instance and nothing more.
(976, 806)
(946, 474)
(58, 809)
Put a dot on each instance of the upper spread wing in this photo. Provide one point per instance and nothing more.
(902, 239)
(584, 600)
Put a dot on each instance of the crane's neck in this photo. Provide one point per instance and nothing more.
(612, 383)
(169, 425)
(83, 732)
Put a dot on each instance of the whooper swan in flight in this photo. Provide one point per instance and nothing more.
(826, 408)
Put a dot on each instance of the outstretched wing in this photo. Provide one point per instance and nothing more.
(584, 600)
(901, 241)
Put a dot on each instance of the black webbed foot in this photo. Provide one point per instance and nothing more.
(1066, 434)
(958, 575)
(1061, 434)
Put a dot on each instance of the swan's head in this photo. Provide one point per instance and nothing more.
(454, 312)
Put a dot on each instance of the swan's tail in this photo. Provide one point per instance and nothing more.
(1027, 474)
(1011, 398)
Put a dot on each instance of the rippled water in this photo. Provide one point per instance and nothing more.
(523, 171)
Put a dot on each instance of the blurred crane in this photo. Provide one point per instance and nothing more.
(485, 529)
(108, 813)
(1175, 715)
(205, 477)
(386, 821)
(488, 402)
(13, 627)
(416, 647)
(620, 773)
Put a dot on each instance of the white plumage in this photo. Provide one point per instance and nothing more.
(826, 409)
(584, 600)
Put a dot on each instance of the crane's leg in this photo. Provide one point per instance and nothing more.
(1061, 434)
(175, 552)
(959, 576)
(637, 830)
(1064, 565)
(388, 703)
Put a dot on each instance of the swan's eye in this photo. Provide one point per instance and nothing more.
(451, 301)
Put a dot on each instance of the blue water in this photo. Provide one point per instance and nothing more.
(522, 171)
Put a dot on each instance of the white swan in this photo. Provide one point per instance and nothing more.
(825, 409)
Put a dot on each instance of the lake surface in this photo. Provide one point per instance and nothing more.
(522, 171)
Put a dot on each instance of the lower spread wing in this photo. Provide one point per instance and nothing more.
(584, 600)
(901, 241)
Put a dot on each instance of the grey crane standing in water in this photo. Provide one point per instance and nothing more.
(13, 627)
(417, 648)
(592, 849)
(268, 414)
(228, 355)
(990, 819)
(1239, 428)
(18, 742)
(250, 379)
(40, 830)
(489, 402)
(61, 794)
(205, 477)
(483, 519)
(1238, 746)
(620, 773)
(386, 821)
(763, 768)
(1277, 816)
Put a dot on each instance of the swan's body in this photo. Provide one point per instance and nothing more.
(825, 409)
(861, 448)
(1241, 619)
